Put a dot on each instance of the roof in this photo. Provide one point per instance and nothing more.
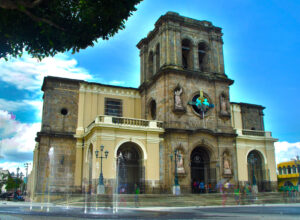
(76, 81)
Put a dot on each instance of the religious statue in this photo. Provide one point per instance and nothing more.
(226, 165)
(224, 105)
(180, 167)
(178, 102)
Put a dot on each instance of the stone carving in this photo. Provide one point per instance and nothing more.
(180, 167)
(224, 105)
(177, 95)
(226, 164)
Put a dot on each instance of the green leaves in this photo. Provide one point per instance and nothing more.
(58, 26)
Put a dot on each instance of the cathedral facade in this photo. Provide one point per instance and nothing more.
(179, 127)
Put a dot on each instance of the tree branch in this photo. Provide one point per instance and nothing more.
(15, 4)
(38, 19)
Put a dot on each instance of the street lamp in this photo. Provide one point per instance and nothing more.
(26, 165)
(176, 187)
(252, 160)
(101, 188)
(297, 162)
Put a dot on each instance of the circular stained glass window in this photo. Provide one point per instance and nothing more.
(201, 105)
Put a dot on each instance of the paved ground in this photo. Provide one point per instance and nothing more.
(18, 211)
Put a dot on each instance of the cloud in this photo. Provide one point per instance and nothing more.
(117, 83)
(18, 139)
(286, 151)
(28, 73)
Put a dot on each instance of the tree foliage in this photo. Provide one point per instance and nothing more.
(12, 183)
(47, 27)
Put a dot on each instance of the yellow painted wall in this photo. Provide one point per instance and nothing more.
(92, 102)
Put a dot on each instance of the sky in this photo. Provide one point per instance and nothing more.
(261, 52)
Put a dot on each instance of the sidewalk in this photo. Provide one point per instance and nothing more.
(168, 200)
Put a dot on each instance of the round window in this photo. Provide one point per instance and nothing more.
(64, 111)
(201, 105)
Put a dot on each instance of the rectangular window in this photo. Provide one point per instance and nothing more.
(113, 107)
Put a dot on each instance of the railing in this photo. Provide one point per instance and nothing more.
(253, 133)
(132, 122)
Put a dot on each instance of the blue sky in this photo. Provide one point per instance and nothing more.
(261, 51)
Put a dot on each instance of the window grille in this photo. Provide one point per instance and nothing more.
(113, 107)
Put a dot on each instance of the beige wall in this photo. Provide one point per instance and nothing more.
(92, 101)
(112, 137)
(246, 143)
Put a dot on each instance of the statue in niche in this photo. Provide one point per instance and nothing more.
(226, 164)
(180, 167)
(224, 105)
(177, 99)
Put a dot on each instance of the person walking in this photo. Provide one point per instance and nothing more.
(136, 198)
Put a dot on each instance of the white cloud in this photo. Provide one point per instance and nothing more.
(116, 82)
(18, 140)
(286, 151)
(20, 105)
(28, 73)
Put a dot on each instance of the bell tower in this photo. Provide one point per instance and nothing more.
(183, 84)
(181, 43)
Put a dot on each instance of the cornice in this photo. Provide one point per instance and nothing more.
(201, 130)
(108, 90)
(210, 76)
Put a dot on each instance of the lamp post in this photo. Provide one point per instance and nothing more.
(26, 165)
(176, 187)
(297, 162)
(101, 188)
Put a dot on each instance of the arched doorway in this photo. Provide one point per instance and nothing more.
(131, 171)
(256, 170)
(201, 173)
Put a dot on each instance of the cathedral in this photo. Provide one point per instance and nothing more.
(176, 129)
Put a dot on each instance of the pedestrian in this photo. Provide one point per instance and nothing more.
(237, 195)
(202, 187)
(136, 198)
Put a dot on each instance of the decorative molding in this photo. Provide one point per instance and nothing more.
(105, 90)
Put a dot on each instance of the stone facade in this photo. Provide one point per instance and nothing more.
(181, 63)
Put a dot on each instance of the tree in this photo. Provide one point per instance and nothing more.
(13, 183)
(47, 27)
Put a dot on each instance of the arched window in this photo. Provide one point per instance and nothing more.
(153, 109)
(157, 53)
(280, 170)
(294, 169)
(150, 65)
(202, 51)
(284, 170)
(186, 54)
(289, 169)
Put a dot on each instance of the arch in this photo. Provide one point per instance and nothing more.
(256, 169)
(137, 142)
(208, 146)
(289, 169)
(187, 53)
(157, 57)
(202, 50)
(130, 169)
(280, 171)
(150, 64)
(201, 169)
(260, 153)
(152, 109)
(288, 183)
(294, 169)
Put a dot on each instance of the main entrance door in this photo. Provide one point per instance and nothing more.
(201, 173)
(130, 170)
